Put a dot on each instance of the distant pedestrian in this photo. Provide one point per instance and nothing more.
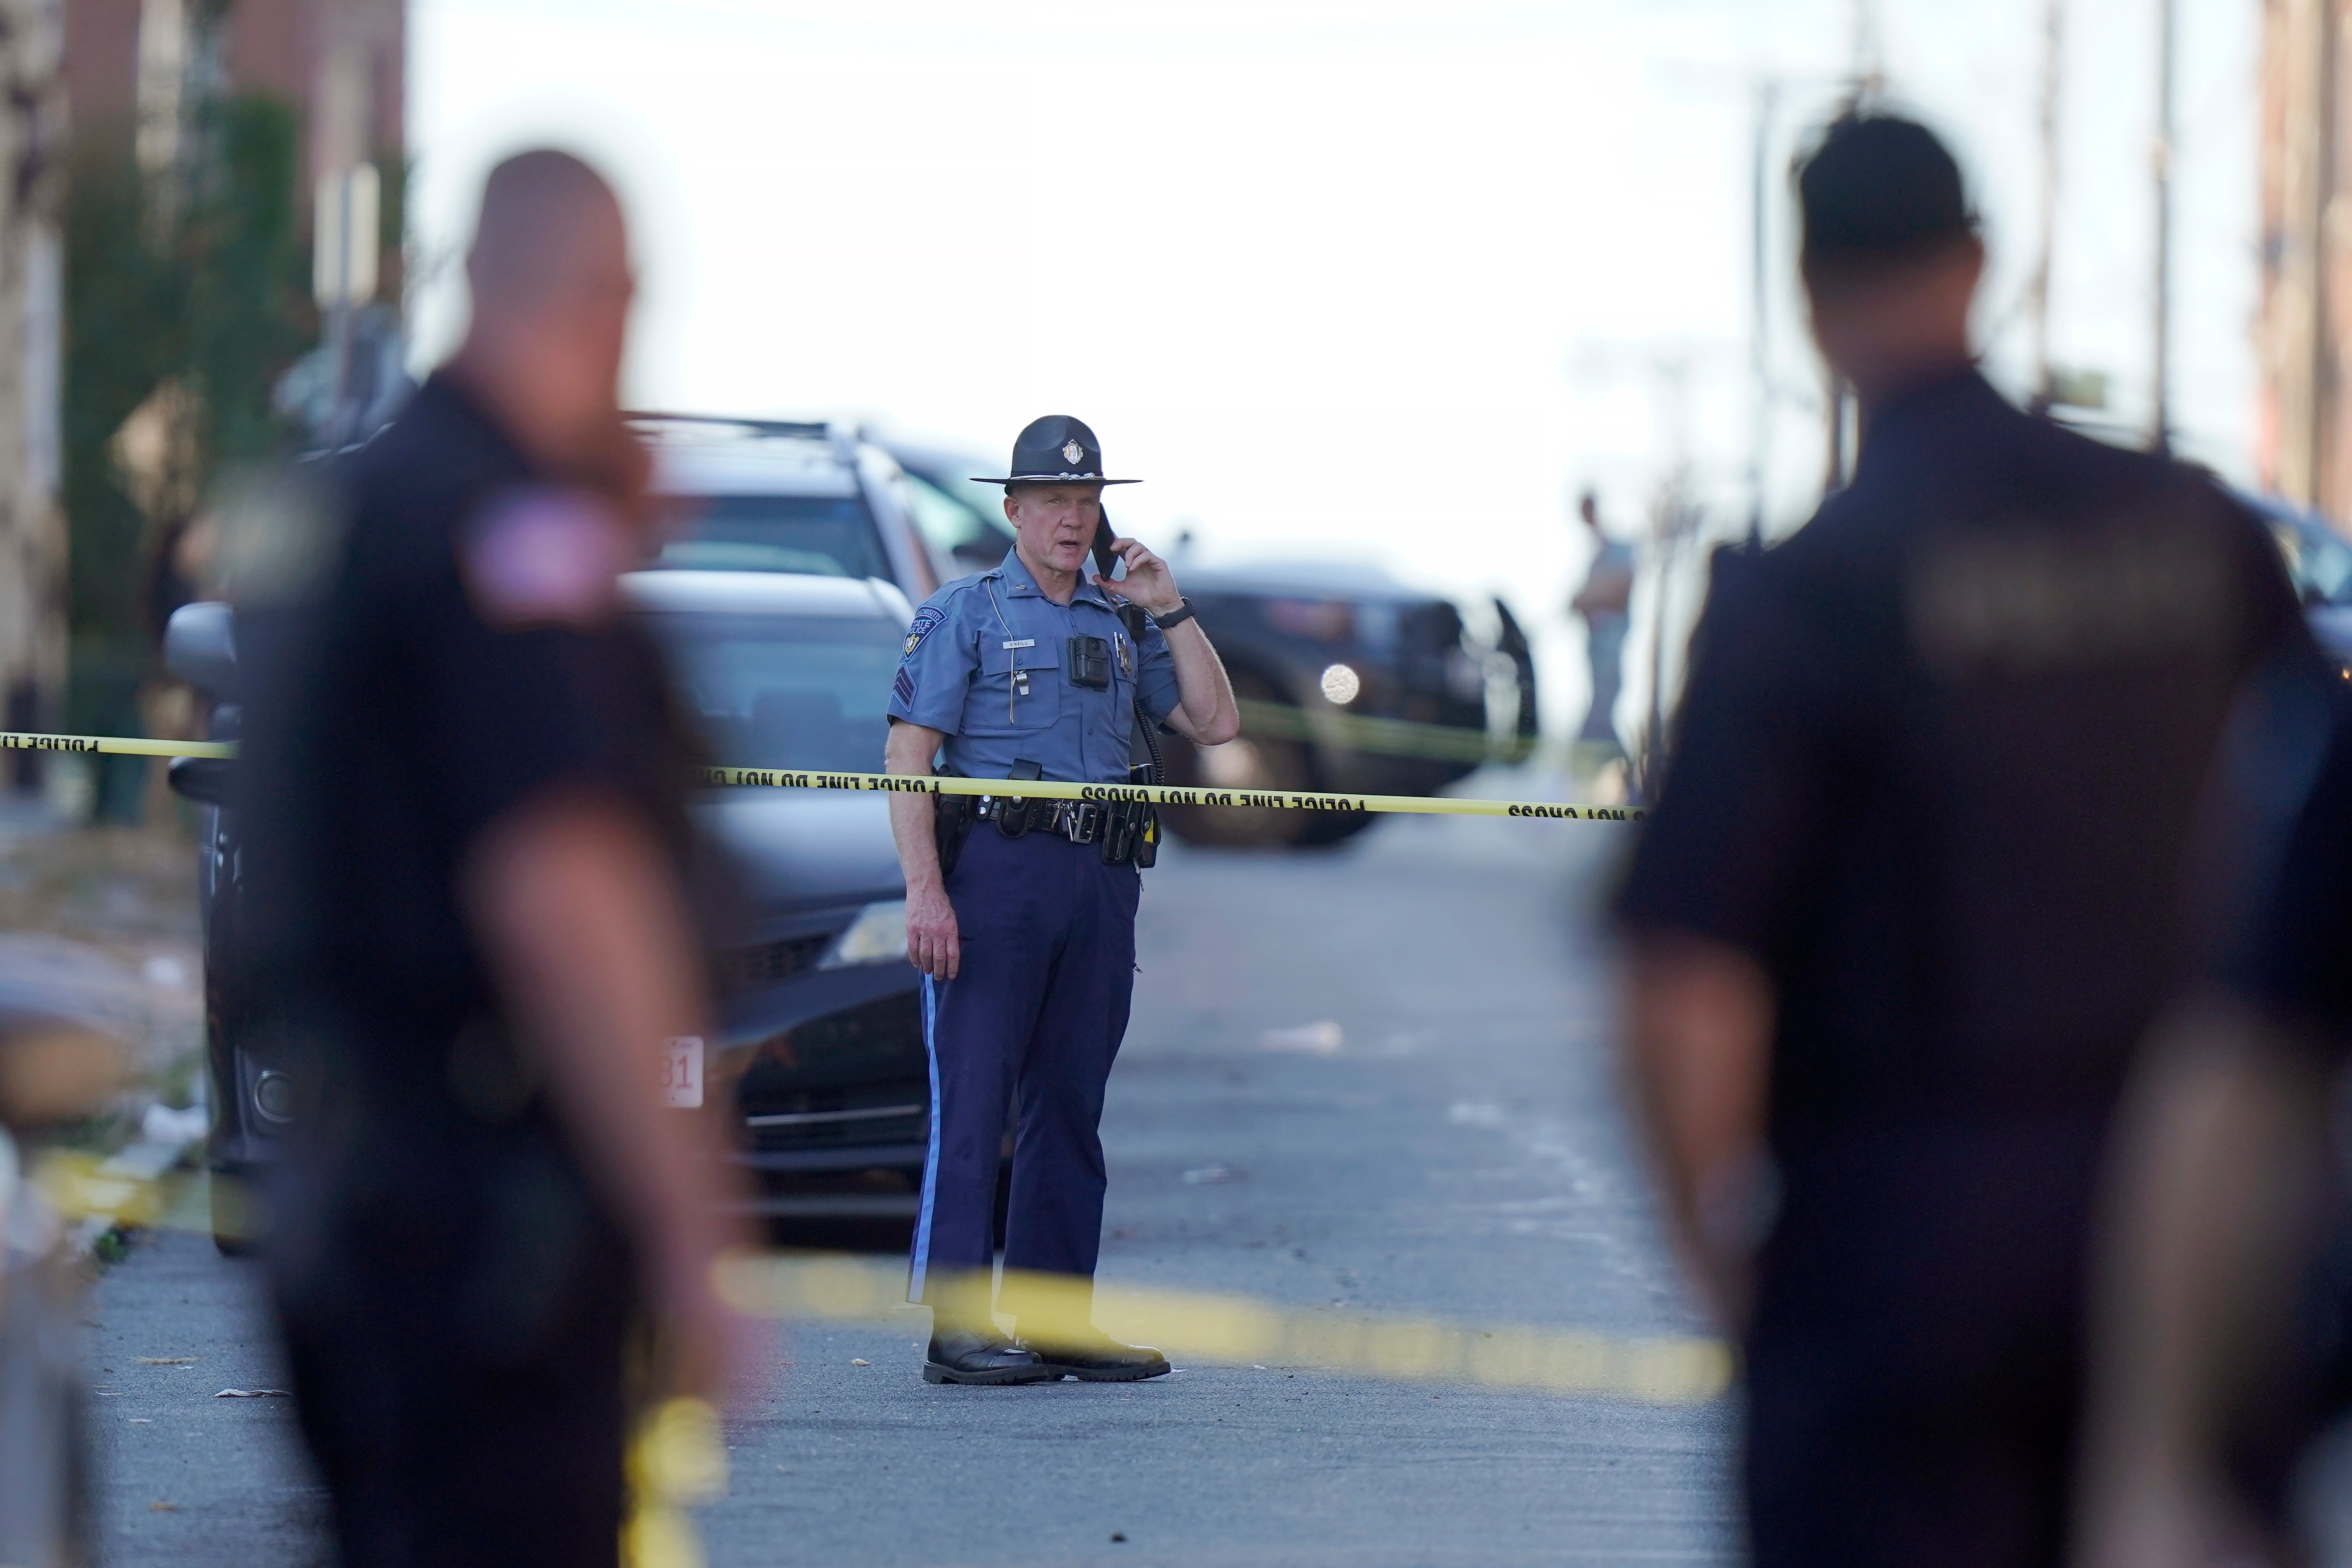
(1605, 602)
(467, 868)
(1913, 891)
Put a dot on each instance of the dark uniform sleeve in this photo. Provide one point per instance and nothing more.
(2298, 964)
(1739, 821)
(518, 706)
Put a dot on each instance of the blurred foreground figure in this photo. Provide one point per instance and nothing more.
(51, 1073)
(2219, 1343)
(1910, 898)
(470, 860)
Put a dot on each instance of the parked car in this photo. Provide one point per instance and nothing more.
(821, 1043)
(1351, 681)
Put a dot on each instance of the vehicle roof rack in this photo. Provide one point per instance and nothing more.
(815, 429)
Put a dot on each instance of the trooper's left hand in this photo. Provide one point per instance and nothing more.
(1147, 583)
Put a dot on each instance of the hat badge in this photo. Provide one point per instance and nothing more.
(1072, 452)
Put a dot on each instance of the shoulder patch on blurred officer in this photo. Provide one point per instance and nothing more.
(542, 556)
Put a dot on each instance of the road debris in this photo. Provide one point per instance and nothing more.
(1321, 1038)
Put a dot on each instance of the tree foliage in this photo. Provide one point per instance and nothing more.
(209, 291)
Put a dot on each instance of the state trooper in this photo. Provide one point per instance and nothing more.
(1021, 913)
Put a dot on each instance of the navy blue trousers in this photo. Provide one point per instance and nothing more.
(1034, 1018)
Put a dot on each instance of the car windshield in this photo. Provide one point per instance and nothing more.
(804, 692)
(952, 520)
(829, 536)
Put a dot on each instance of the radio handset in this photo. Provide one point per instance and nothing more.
(1105, 560)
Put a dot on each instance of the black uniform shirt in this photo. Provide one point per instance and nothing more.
(438, 681)
(1938, 761)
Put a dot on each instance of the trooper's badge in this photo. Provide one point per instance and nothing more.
(1126, 659)
(924, 621)
(1072, 452)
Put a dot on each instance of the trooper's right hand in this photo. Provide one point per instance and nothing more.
(932, 942)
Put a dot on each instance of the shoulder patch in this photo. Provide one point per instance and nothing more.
(544, 556)
(925, 619)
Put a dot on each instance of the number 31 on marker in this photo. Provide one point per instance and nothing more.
(681, 1071)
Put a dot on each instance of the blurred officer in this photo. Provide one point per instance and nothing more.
(2222, 1346)
(1027, 940)
(468, 873)
(1913, 891)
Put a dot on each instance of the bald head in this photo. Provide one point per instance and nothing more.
(550, 272)
(548, 222)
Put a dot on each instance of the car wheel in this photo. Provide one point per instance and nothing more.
(1253, 762)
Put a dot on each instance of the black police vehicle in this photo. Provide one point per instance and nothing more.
(2319, 563)
(820, 1045)
(1350, 681)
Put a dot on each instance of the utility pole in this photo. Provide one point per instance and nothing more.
(2159, 434)
(344, 241)
(2053, 25)
(2296, 323)
(1869, 52)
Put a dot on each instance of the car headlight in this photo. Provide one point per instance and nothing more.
(878, 935)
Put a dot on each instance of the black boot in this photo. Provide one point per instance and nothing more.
(1102, 1359)
(974, 1356)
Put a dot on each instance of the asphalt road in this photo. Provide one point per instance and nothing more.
(1373, 1080)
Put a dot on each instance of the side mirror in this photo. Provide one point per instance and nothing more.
(203, 780)
(200, 647)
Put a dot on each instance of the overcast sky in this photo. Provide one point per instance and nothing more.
(1392, 277)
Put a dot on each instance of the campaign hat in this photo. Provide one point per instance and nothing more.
(1055, 450)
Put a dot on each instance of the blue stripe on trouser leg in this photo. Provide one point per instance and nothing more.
(931, 1154)
(1040, 1000)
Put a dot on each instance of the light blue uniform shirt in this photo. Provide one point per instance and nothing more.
(988, 663)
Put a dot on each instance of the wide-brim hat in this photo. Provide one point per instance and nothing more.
(1055, 450)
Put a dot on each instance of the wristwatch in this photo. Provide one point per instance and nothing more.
(1176, 617)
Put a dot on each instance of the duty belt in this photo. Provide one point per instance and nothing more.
(1080, 822)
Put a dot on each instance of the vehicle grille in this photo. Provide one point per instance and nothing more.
(769, 962)
(850, 1077)
(841, 1118)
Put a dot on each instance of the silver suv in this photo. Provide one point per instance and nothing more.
(763, 495)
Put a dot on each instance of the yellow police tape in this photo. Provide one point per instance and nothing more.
(894, 783)
(677, 1457)
(1170, 795)
(114, 745)
(1056, 1309)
